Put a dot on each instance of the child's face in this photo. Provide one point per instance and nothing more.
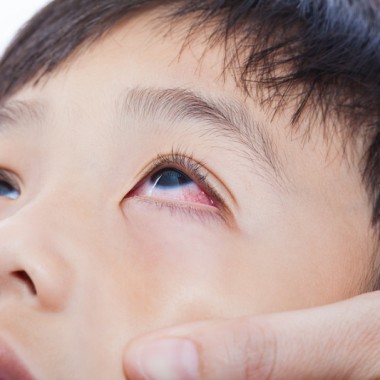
(116, 241)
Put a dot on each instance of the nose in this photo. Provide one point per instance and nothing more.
(32, 268)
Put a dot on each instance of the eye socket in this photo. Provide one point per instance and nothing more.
(8, 189)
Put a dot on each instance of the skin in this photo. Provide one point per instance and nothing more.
(316, 343)
(105, 261)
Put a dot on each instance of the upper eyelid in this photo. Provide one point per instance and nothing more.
(173, 159)
(196, 211)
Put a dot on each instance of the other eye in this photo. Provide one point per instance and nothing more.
(173, 185)
(7, 188)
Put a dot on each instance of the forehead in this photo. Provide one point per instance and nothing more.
(143, 51)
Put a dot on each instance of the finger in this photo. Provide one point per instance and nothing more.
(340, 341)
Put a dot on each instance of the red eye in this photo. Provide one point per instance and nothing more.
(172, 184)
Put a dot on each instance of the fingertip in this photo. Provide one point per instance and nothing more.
(163, 359)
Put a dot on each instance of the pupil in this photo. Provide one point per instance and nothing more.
(170, 178)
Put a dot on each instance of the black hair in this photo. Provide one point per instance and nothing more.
(322, 55)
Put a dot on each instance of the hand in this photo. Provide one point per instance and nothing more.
(338, 341)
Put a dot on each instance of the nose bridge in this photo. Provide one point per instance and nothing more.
(66, 208)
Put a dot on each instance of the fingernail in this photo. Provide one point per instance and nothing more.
(169, 359)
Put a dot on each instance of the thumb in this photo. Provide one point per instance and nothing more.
(340, 341)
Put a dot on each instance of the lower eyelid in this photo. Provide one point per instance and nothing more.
(199, 212)
(185, 195)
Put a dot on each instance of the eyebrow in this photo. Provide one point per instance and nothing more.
(19, 113)
(220, 117)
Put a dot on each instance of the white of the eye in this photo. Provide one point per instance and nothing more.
(14, 195)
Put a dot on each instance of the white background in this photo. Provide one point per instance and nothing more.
(13, 14)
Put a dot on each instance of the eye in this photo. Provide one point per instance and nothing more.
(7, 189)
(172, 184)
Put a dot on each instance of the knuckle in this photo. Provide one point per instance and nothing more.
(257, 349)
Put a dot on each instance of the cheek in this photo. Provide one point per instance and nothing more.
(176, 242)
(183, 262)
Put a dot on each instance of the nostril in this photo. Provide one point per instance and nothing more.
(23, 277)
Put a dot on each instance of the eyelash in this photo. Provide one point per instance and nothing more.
(197, 172)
